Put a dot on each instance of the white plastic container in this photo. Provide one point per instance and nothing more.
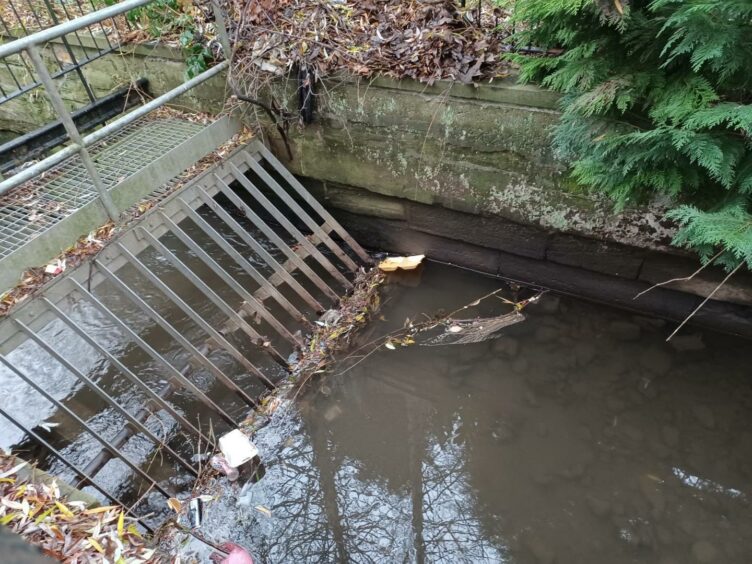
(237, 448)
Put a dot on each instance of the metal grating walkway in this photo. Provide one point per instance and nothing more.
(33, 208)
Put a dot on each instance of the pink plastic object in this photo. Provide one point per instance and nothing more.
(218, 462)
(235, 555)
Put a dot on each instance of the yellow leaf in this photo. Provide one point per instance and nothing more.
(64, 510)
(43, 516)
(7, 480)
(264, 510)
(121, 524)
(133, 531)
(174, 504)
(93, 542)
(102, 509)
(8, 518)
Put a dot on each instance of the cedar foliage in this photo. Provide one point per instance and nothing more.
(656, 104)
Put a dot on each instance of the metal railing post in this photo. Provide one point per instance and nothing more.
(220, 27)
(65, 118)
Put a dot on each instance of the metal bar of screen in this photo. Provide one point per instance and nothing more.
(257, 248)
(102, 394)
(125, 371)
(174, 333)
(227, 278)
(174, 372)
(195, 317)
(223, 306)
(288, 226)
(315, 228)
(270, 234)
(57, 454)
(311, 201)
(99, 438)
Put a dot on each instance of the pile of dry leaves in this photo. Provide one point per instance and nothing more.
(426, 40)
(66, 530)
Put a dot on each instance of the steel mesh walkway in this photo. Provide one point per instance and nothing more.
(31, 209)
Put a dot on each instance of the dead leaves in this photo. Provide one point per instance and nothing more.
(63, 529)
(336, 327)
(425, 41)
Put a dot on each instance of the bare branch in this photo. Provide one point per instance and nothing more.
(683, 323)
(682, 279)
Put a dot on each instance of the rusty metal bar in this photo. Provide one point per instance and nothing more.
(255, 246)
(233, 315)
(306, 196)
(255, 305)
(174, 372)
(101, 440)
(315, 228)
(104, 395)
(288, 226)
(276, 239)
(174, 333)
(125, 370)
(195, 317)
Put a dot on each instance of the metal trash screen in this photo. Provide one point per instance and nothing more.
(281, 259)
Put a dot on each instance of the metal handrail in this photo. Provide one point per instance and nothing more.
(70, 26)
(45, 164)
(30, 44)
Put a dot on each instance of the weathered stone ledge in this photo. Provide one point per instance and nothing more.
(643, 267)
(401, 237)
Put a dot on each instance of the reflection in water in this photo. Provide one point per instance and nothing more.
(579, 437)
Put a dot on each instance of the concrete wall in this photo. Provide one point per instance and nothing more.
(474, 164)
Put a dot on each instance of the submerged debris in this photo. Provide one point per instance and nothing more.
(67, 530)
(466, 331)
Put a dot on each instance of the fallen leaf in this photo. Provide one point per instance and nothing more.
(264, 510)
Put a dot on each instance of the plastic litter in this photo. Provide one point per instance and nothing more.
(218, 462)
(404, 263)
(237, 448)
(234, 555)
(196, 512)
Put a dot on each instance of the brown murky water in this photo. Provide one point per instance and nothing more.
(578, 437)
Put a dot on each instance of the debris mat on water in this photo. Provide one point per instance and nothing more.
(63, 529)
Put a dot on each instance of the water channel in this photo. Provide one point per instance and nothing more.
(579, 436)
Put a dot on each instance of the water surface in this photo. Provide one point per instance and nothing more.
(580, 436)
